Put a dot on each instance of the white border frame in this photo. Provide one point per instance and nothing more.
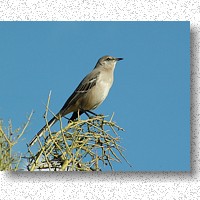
(47, 185)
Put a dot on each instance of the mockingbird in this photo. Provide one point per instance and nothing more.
(89, 94)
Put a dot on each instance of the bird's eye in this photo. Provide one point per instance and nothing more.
(108, 59)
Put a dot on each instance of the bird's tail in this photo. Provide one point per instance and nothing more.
(39, 134)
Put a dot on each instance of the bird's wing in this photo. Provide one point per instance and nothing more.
(85, 85)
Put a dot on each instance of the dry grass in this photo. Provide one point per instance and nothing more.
(9, 160)
(83, 145)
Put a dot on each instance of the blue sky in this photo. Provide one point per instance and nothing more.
(150, 95)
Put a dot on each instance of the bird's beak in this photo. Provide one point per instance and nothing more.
(118, 59)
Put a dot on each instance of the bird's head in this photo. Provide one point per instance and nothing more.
(107, 62)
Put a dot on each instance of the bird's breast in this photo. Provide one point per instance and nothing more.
(97, 94)
(104, 88)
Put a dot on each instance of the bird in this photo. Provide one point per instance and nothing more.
(89, 94)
